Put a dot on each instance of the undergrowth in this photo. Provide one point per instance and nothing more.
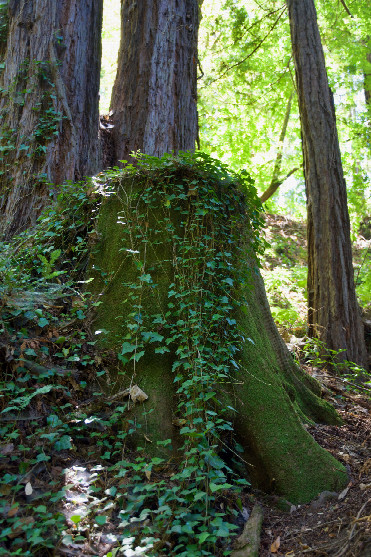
(55, 418)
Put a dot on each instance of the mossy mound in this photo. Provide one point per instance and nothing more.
(184, 307)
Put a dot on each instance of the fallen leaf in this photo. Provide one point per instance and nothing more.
(148, 474)
(7, 449)
(13, 511)
(18, 526)
(5, 489)
(28, 489)
(137, 395)
(343, 493)
(179, 422)
(276, 545)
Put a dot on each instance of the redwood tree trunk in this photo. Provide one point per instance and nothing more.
(49, 103)
(333, 313)
(155, 93)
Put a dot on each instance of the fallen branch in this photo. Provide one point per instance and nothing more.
(248, 543)
(348, 544)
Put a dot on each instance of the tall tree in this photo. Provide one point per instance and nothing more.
(49, 102)
(333, 314)
(154, 98)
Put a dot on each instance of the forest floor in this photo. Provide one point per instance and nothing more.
(55, 457)
(336, 525)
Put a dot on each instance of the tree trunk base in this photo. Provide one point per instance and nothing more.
(272, 396)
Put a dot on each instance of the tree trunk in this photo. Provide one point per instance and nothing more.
(140, 263)
(154, 97)
(333, 313)
(367, 81)
(276, 182)
(49, 103)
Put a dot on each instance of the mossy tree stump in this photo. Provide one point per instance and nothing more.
(184, 306)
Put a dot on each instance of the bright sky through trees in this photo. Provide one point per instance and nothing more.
(247, 79)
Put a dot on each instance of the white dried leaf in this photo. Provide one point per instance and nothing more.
(137, 395)
(28, 489)
(343, 493)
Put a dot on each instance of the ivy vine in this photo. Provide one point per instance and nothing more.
(200, 211)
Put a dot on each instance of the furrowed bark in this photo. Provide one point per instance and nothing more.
(154, 98)
(49, 103)
(333, 311)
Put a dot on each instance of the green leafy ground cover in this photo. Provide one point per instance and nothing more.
(58, 427)
(71, 479)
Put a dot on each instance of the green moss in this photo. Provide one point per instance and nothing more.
(113, 269)
(4, 23)
(287, 461)
(147, 265)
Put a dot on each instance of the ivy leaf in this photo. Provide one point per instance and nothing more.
(146, 278)
(152, 337)
(202, 537)
(63, 443)
(42, 322)
(101, 519)
(127, 347)
(138, 355)
(161, 350)
(219, 487)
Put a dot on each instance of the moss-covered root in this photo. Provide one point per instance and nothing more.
(272, 404)
(247, 544)
(285, 458)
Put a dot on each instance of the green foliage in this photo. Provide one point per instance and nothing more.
(246, 58)
(34, 257)
(363, 279)
(286, 291)
(355, 377)
(248, 76)
(3, 21)
(35, 303)
(193, 203)
(189, 510)
(33, 76)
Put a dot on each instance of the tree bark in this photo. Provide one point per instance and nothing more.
(49, 103)
(154, 97)
(333, 311)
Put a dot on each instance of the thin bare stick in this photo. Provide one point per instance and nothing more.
(275, 182)
(346, 8)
